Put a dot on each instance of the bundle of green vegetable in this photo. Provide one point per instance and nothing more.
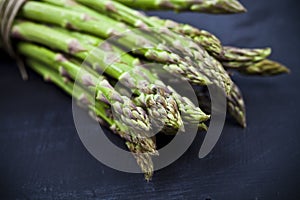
(55, 36)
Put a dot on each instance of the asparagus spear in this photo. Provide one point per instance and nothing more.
(244, 55)
(144, 160)
(236, 106)
(264, 68)
(205, 6)
(99, 109)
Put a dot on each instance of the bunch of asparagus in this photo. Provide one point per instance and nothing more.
(56, 36)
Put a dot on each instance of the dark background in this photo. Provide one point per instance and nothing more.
(43, 158)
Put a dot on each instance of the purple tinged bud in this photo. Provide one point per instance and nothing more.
(83, 99)
(166, 4)
(101, 121)
(106, 46)
(170, 24)
(110, 7)
(74, 46)
(69, 25)
(127, 112)
(141, 25)
(47, 78)
(164, 30)
(178, 45)
(112, 32)
(113, 127)
(111, 58)
(63, 72)
(127, 80)
(16, 33)
(86, 17)
(98, 68)
(117, 108)
(87, 80)
(102, 98)
(106, 84)
(66, 80)
(136, 62)
(116, 97)
(60, 58)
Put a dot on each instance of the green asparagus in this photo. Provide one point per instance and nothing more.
(148, 93)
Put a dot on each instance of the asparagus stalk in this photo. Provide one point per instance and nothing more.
(99, 109)
(206, 6)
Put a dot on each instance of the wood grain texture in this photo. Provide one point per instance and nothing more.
(43, 158)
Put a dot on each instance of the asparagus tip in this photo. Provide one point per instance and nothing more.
(243, 122)
(238, 7)
(267, 68)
